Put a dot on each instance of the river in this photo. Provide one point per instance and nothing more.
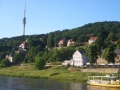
(13, 83)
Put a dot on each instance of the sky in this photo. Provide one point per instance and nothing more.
(44, 16)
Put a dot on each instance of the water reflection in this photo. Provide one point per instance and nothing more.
(12, 83)
(90, 87)
(77, 86)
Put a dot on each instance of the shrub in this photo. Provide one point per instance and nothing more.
(67, 66)
(39, 63)
(5, 63)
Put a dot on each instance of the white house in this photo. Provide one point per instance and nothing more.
(23, 46)
(61, 42)
(92, 39)
(66, 62)
(79, 58)
(10, 57)
(70, 42)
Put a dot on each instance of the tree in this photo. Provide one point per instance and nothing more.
(31, 58)
(17, 57)
(2, 55)
(39, 63)
(50, 42)
(100, 41)
(44, 40)
(5, 63)
(92, 52)
(106, 43)
(118, 44)
(31, 51)
(46, 55)
(109, 55)
(37, 49)
(81, 38)
(40, 54)
(112, 37)
(56, 55)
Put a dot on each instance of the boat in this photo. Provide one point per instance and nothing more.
(108, 80)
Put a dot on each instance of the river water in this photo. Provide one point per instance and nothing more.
(13, 83)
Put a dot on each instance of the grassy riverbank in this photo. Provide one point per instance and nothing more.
(54, 72)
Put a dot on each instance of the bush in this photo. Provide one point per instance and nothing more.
(5, 63)
(39, 63)
(67, 66)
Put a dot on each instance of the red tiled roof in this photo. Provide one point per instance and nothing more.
(93, 38)
(85, 43)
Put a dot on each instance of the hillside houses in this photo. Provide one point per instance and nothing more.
(23, 46)
(90, 41)
(68, 42)
(61, 42)
(10, 57)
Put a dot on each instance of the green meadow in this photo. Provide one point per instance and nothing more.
(60, 73)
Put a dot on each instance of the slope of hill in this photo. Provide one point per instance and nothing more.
(79, 34)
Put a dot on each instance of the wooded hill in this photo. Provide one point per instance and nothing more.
(107, 32)
(79, 34)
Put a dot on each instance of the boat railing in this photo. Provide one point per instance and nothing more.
(99, 81)
(104, 82)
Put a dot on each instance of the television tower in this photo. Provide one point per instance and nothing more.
(24, 19)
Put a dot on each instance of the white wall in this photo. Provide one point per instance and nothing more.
(77, 59)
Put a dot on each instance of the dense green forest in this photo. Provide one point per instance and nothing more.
(107, 32)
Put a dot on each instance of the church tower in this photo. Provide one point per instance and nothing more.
(24, 19)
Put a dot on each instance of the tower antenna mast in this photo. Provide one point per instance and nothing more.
(24, 19)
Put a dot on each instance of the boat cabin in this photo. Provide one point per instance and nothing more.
(108, 80)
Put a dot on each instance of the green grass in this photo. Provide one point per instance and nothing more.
(54, 72)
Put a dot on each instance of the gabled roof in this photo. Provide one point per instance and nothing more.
(10, 55)
(80, 51)
(86, 43)
(117, 51)
(93, 38)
